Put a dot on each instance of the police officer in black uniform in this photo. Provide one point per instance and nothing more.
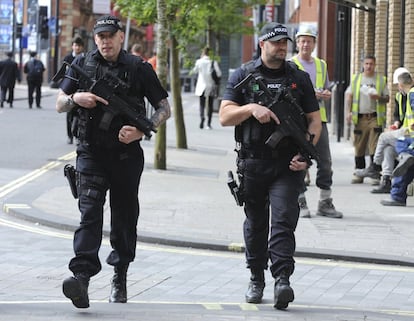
(270, 179)
(108, 159)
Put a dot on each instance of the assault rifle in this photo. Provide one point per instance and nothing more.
(290, 114)
(105, 87)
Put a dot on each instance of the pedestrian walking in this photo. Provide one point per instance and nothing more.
(34, 69)
(206, 87)
(270, 178)
(318, 71)
(9, 73)
(108, 158)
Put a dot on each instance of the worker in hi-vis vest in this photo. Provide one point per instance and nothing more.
(318, 72)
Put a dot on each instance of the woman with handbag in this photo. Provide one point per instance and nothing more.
(206, 87)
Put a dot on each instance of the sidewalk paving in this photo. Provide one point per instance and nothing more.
(189, 204)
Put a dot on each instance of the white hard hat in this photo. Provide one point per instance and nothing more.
(307, 30)
(397, 73)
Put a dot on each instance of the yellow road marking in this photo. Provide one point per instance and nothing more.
(34, 229)
(21, 181)
(248, 307)
(212, 306)
(8, 206)
(218, 306)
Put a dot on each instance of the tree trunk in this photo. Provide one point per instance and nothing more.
(176, 94)
(160, 158)
(208, 34)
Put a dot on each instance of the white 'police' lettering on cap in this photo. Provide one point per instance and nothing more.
(277, 31)
(109, 22)
(106, 22)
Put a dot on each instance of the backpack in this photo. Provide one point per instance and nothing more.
(216, 78)
(35, 69)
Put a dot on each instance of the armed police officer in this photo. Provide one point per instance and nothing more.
(108, 158)
(270, 178)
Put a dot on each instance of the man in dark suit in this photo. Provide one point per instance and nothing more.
(34, 69)
(9, 72)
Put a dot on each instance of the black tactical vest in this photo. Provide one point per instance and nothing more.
(252, 134)
(90, 120)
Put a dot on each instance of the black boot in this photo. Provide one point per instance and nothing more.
(118, 285)
(254, 292)
(283, 293)
(385, 186)
(76, 289)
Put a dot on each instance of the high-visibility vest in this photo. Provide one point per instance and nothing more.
(380, 83)
(409, 114)
(321, 72)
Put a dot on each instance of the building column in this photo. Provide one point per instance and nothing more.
(369, 33)
(409, 36)
(357, 49)
(394, 52)
(381, 34)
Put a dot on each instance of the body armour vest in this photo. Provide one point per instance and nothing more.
(251, 134)
(90, 120)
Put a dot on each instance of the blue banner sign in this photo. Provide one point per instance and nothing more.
(6, 24)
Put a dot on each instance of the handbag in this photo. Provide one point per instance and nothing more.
(216, 78)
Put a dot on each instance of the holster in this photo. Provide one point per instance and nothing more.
(234, 189)
(70, 173)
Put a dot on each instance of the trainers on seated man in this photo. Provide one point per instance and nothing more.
(398, 194)
(405, 161)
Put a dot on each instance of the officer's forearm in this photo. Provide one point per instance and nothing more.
(231, 114)
(64, 103)
(162, 113)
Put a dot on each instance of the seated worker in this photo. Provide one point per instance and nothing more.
(385, 154)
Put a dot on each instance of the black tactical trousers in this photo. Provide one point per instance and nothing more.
(269, 184)
(100, 171)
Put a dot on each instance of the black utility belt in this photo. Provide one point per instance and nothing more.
(263, 154)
